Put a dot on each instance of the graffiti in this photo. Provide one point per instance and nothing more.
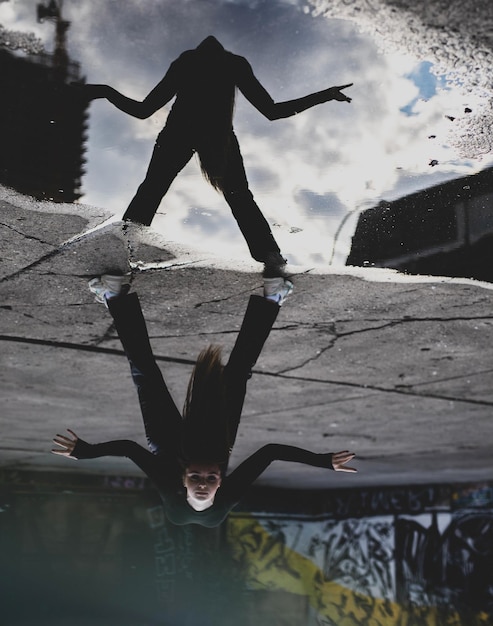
(173, 555)
(452, 567)
(474, 496)
(274, 549)
(394, 501)
(358, 554)
(331, 602)
(431, 565)
(164, 556)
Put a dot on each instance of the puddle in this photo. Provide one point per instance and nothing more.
(319, 177)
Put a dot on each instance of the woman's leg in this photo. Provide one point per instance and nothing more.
(257, 324)
(162, 420)
(252, 223)
(171, 153)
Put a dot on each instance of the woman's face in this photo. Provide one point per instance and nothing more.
(202, 481)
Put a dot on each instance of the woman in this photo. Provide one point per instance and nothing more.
(188, 456)
(203, 82)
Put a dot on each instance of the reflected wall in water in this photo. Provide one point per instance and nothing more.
(446, 230)
(42, 121)
(101, 548)
(98, 549)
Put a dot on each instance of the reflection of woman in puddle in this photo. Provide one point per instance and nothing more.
(203, 81)
(188, 456)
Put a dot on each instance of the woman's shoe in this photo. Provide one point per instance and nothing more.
(109, 286)
(277, 289)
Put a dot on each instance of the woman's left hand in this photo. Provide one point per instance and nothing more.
(67, 444)
(335, 93)
(339, 460)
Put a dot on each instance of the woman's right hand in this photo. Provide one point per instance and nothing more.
(66, 443)
(339, 460)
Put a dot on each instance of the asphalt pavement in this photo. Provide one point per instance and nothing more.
(397, 369)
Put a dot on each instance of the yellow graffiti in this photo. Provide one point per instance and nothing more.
(271, 565)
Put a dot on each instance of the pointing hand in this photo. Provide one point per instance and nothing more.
(335, 93)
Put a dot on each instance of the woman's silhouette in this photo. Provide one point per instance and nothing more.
(204, 81)
(189, 455)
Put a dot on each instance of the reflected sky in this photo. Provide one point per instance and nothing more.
(311, 175)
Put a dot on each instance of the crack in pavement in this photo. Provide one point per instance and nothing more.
(409, 318)
(310, 359)
(325, 403)
(143, 266)
(113, 337)
(388, 324)
(57, 250)
(226, 298)
(332, 343)
(279, 375)
(446, 379)
(28, 237)
(397, 390)
(38, 261)
(325, 435)
(200, 334)
(85, 348)
(205, 333)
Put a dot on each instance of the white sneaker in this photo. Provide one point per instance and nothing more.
(109, 286)
(277, 289)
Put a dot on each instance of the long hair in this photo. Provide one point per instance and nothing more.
(213, 67)
(205, 419)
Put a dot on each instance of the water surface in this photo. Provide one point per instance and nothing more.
(313, 175)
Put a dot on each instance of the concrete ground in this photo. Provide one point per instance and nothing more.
(398, 370)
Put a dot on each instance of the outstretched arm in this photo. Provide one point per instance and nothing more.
(257, 95)
(246, 473)
(162, 93)
(76, 448)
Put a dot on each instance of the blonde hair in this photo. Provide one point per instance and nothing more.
(205, 419)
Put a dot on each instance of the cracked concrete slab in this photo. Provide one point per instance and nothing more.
(398, 369)
(28, 236)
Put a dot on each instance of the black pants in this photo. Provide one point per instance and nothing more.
(171, 153)
(162, 419)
